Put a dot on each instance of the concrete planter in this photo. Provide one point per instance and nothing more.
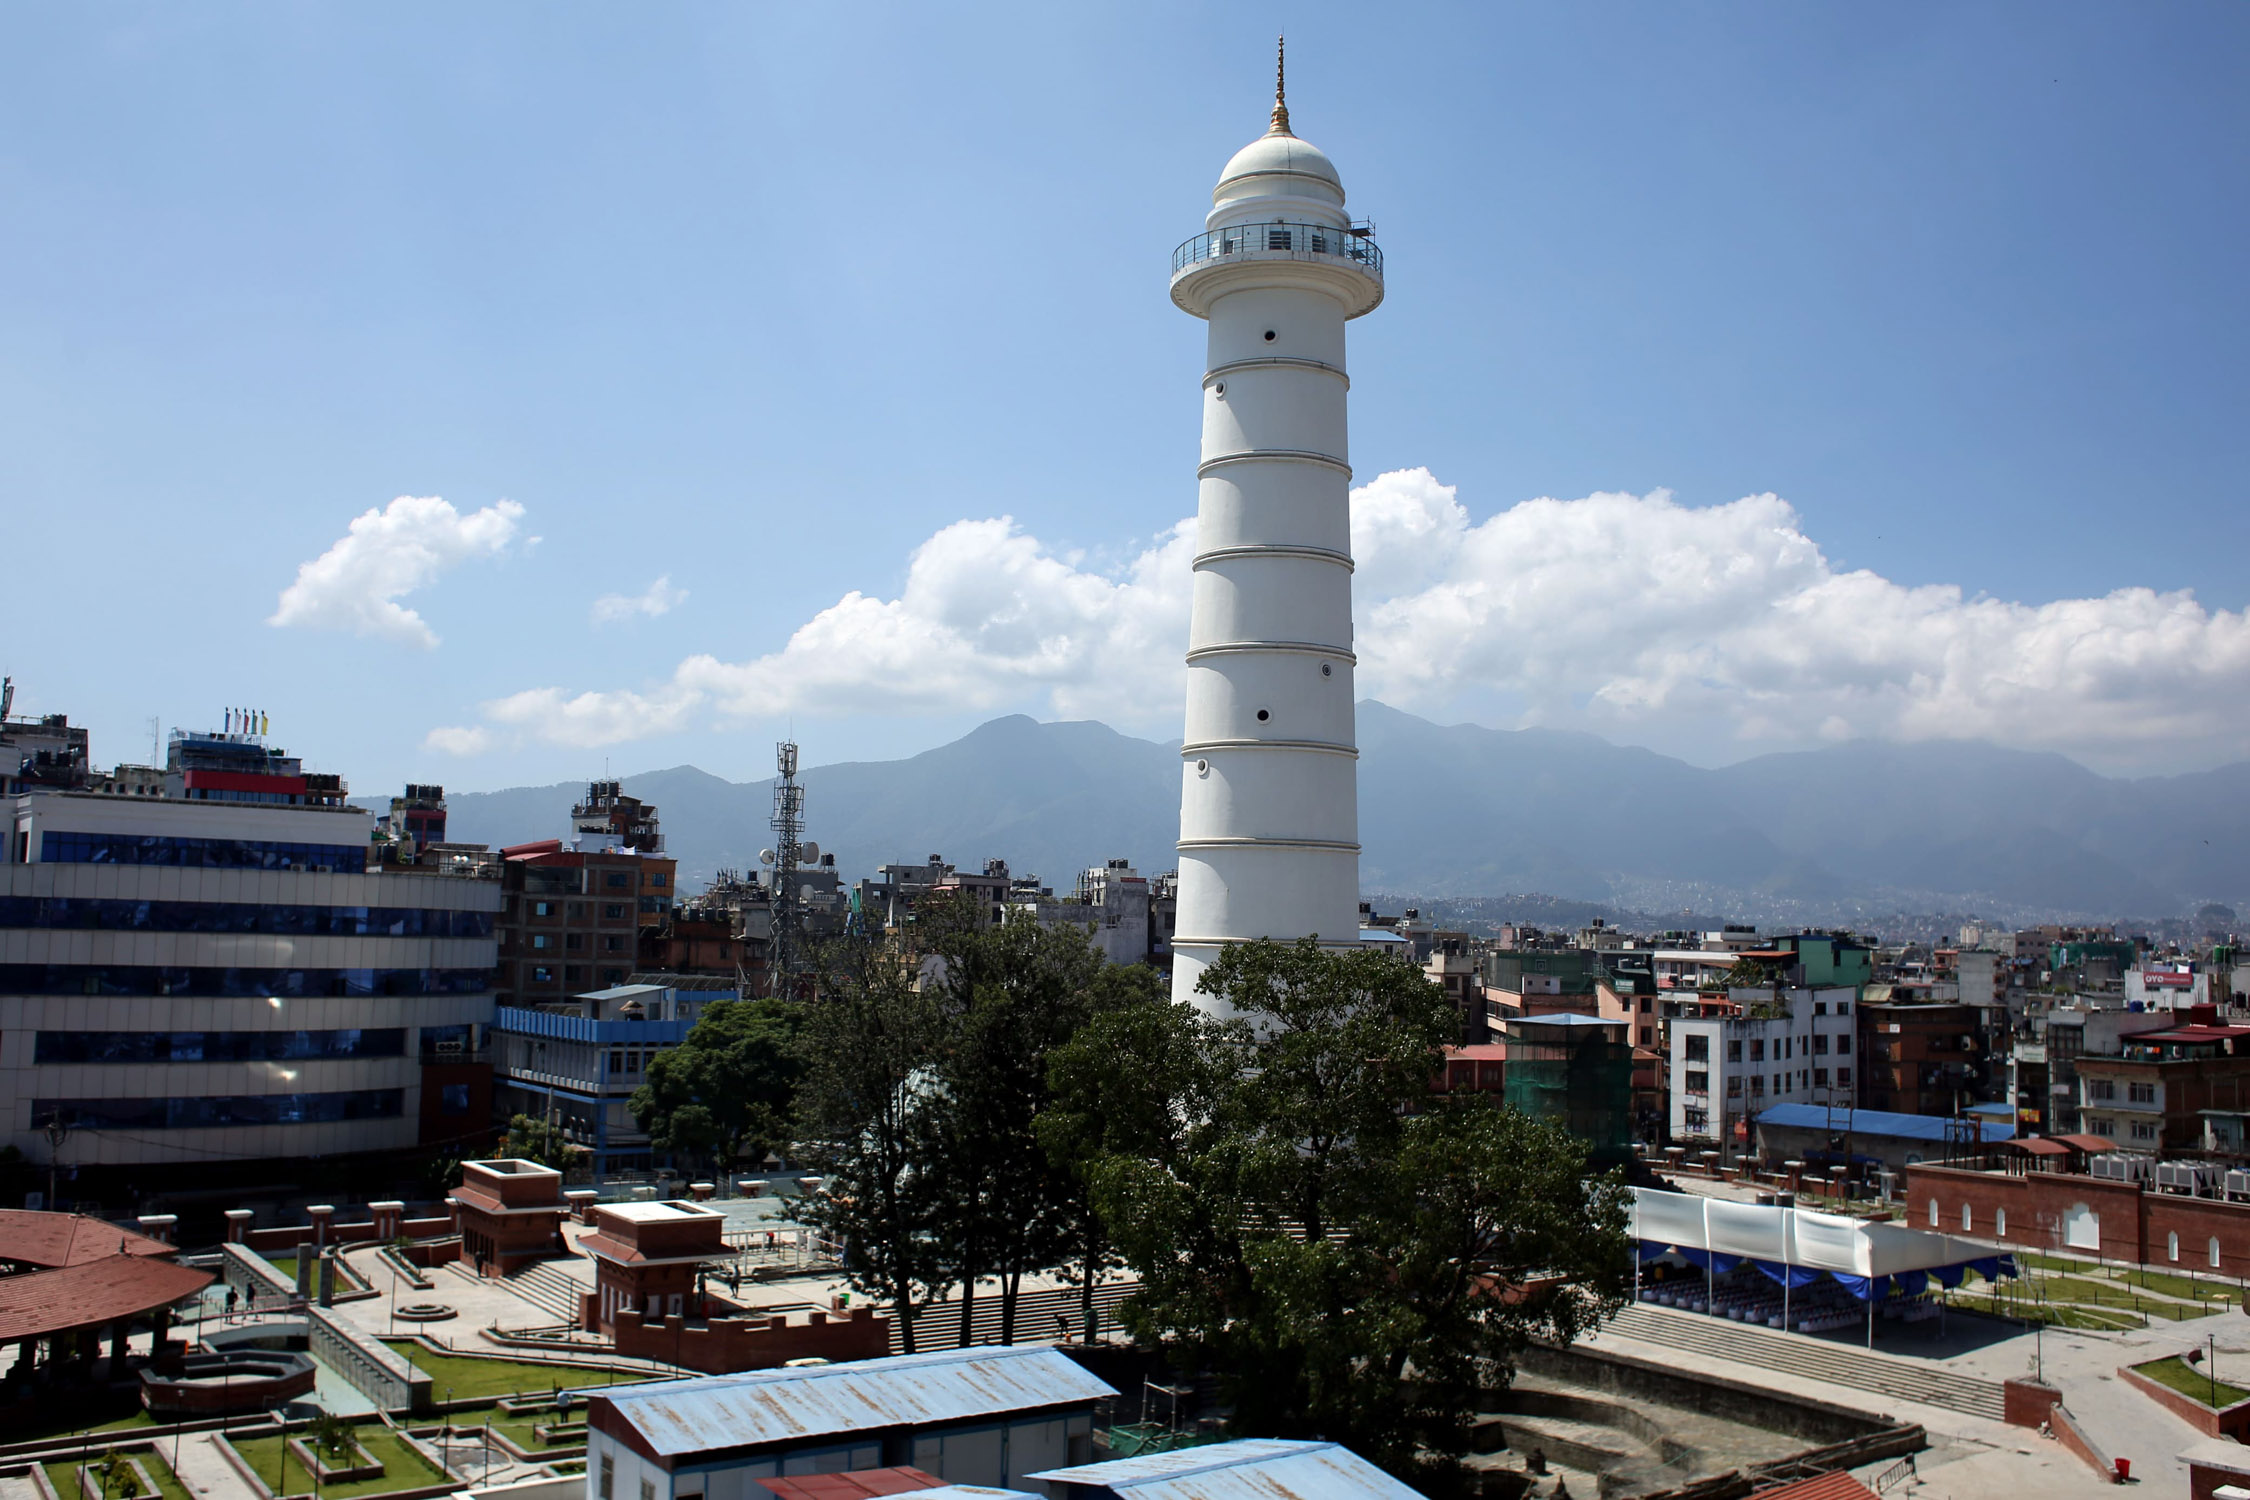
(357, 1464)
(2221, 1422)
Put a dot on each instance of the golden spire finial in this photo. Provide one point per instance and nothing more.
(1280, 125)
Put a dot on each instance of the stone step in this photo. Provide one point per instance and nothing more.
(938, 1326)
(1813, 1358)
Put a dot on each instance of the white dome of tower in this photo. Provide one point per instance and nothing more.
(1278, 164)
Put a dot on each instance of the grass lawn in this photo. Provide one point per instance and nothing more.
(36, 1432)
(64, 1476)
(2190, 1381)
(519, 1432)
(2051, 1314)
(2175, 1285)
(2089, 1293)
(403, 1468)
(469, 1377)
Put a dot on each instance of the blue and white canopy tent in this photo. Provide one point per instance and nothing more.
(1797, 1246)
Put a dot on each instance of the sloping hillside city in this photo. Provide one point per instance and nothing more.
(2045, 1105)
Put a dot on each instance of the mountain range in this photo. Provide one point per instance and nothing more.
(1843, 833)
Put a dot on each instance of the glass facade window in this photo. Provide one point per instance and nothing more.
(223, 1109)
(215, 1046)
(84, 914)
(229, 983)
(202, 854)
(447, 1041)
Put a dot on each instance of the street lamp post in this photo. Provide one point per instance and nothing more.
(56, 1132)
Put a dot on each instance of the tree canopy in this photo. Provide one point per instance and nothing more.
(728, 1091)
(1352, 1255)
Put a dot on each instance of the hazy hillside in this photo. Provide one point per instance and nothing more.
(1462, 811)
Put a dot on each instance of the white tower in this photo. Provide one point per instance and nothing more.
(1269, 809)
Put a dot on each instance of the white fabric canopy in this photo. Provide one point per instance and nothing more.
(1797, 1236)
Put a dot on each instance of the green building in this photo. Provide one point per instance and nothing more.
(1578, 1071)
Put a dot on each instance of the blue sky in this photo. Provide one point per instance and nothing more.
(788, 307)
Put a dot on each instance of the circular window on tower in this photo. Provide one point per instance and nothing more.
(1269, 335)
(1264, 714)
(1219, 390)
(1203, 768)
(1326, 670)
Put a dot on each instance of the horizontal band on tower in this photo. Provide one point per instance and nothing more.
(1274, 455)
(1277, 361)
(1311, 554)
(1298, 648)
(1252, 841)
(1322, 747)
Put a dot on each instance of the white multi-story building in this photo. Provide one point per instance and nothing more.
(213, 974)
(1791, 1047)
(1269, 811)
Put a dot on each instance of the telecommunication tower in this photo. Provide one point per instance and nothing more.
(785, 954)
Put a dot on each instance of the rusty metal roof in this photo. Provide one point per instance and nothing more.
(1251, 1469)
(765, 1406)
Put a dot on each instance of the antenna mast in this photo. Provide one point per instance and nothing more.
(785, 953)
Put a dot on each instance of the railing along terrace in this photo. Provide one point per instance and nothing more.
(1290, 241)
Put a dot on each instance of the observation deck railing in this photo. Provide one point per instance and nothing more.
(1282, 241)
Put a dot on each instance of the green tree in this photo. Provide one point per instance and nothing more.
(534, 1139)
(728, 1090)
(1014, 992)
(867, 1114)
(1352, 1255)
(1125, 1086)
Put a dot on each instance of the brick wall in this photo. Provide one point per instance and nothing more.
(2227, 1422)
(2038, 1206)
(726, 1345)
(2135, 1225)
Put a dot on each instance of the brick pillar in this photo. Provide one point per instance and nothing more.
(582, 1201)
(702, 1192)
(238, 1224)
(159, 1226)
(320, 1214)
(389, 1218)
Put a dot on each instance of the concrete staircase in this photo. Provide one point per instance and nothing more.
(1812, 1358)
(938, 1326)
(547, 1289)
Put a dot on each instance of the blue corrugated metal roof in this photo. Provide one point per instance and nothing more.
(1251, 1469)
(765, 1406)
(1881, 1122)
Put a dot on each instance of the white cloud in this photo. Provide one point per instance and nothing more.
(457, 739)
(1632, 615)
(594, 718)
(659, 599)
(1621, 612)
(355, 585)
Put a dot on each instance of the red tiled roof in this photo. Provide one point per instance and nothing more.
(853, 1486)
(38, 1239)
(39, 1303)
(1836, 1486)
(2185, 1034)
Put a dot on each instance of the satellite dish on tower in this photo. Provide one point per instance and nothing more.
(808, 854)
(765, 856)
